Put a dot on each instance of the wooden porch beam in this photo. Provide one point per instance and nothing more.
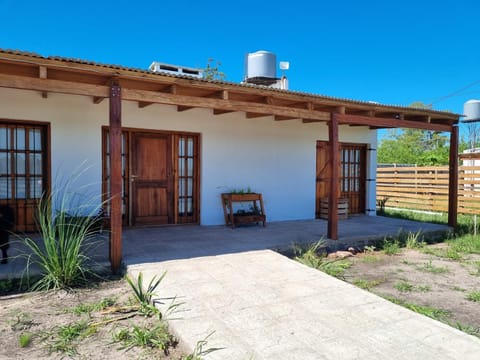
(42, 74)
(181, 108)
(115, 137)
(282, 118)
(453, 178)
(220, 112)
(49, 85)
(98, 99)
(390, 123)
(142, 104)
(220, 104)
(250, 115)
(332, 229)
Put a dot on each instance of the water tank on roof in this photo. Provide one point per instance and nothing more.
(471, 110)
(261, 68)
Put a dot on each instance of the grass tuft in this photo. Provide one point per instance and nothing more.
(25, 339)
(473, 296)
(145, 337)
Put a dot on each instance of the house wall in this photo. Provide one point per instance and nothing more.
(276, 158)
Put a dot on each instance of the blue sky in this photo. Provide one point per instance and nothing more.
(393, 52)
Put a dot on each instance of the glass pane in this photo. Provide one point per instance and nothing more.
(19, 138)
(20, 163)
(190, 187)
(181, 187)
(181, 147)
(35, 164)
(35, 139)
(4, 138)
(5, 189)
(190, 147)
(5, 163)
(181, 167)
(36, 188)
(107, 160)
(190, 167)
(189, 205)
(181, 206)
(20, 187)
(107, 142)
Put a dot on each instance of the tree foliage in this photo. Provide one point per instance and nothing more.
(413, 146)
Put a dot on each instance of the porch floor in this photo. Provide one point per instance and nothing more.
(151, 244)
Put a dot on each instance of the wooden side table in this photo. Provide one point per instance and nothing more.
(256, 215)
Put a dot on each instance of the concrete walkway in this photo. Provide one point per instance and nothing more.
(262, 305)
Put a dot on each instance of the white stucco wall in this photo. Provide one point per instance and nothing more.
(276, 158)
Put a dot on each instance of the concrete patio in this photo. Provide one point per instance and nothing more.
(150, 244)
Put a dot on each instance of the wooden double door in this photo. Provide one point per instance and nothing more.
(352, 172)
(160, 177)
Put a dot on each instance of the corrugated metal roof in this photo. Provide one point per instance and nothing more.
(220, 82)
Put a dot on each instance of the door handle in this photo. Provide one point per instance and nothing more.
(133, 177)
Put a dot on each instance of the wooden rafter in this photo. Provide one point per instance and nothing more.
(142, 104)
(250, 115)
(42, 74)
(98, 99)
(220, 112)
(181, 108)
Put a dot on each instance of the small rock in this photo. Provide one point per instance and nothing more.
(340, 255)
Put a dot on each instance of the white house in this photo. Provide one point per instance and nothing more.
(185, 140)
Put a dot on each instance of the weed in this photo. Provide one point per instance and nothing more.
(143, 297)
(199, 350)
(414, 241)
(475, 331)
(403, 286)
(367, 284)
(61, 254)
(64, 338)
(391, 247)
(473, 296)
(21, 321)
(467, 244)
(429, 267)
(145, 337)
(25, 339)
(447, 253)
(369, 249)
(423, 288)
(88, 308)
(434, 313)
(457, 288)
(314, 256)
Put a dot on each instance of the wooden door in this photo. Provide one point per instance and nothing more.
(352, 175)
(151, 179)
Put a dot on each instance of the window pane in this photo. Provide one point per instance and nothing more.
(36, 188)
(190, 167)
(190, 147)
(181, 206)
(20, 188)
(35, 140)
(190, 187)
(189, 205)
(5, 163)
(19, 138)
(20, 163)
(181, 167)
(181, 147)
(4, 138)
(5, 189)
(35, 164)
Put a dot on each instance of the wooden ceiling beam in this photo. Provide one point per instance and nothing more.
(42, 74)
(142, 104)
(181, 108)
(220, 104)
(251, 115)
(220, 112)
(282, 118)
(49, 85)
(390, 123)
(98, 99)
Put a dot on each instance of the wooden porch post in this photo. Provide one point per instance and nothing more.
(453, 178)
(334, 148)
(115, 138)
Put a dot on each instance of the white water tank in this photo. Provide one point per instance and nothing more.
(261, 68)
(471, 110)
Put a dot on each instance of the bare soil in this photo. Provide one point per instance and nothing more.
(41, 314)
(418, 278)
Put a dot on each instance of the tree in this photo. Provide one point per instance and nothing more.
(413, 146)
(212, 70)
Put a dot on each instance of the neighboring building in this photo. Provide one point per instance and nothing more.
(185, 140)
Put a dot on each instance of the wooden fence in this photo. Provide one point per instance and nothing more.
(426, 188)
